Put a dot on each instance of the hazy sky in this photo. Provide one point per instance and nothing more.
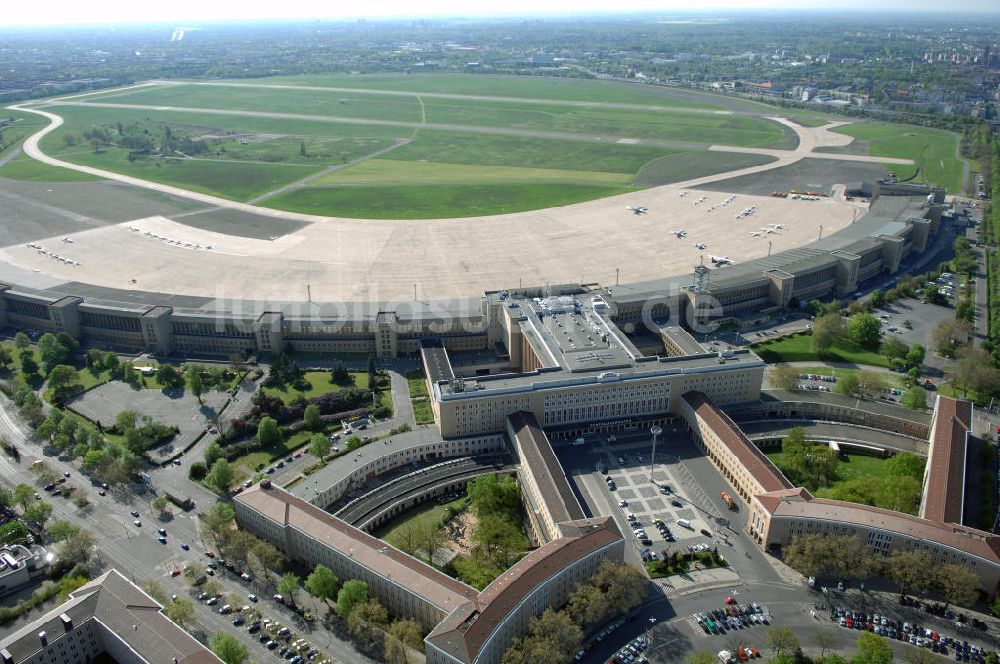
(181, 11)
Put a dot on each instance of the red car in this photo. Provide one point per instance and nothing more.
(297, 455)
(210, 554)
(730, 600)
(176, 572)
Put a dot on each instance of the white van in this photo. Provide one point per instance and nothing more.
(579, 441)
(683, 523)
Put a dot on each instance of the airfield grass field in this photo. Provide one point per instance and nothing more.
(525, 149)
(933, 149)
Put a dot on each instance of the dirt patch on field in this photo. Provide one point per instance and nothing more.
(460, 531)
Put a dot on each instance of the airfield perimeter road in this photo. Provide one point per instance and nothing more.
(445, 258)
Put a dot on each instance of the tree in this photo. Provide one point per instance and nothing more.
(910, 570)
(56, 349)
(61, 529)
(319, 446)
(220, 476)
(69, 584)
(77, 547)
(322, 583)
(408, 537)
(38, 511)
(782, 640)
(893, 349)
(181, 611)
(872, 649)
(870, 383)
(956, 583)
(915, 356)
(195, 382)
(288, 584)
(949, 335)
(491, 495)
(432, 538)
(6, 357)
(311, 417)
(365, 618)
(169, 377)
(155, 590)
(6, 498)
(372, 375)
(352, 593)
(21, 341)
(864, 330)
(213, 453)
(340, 375)
(268, 433)
(160, 504)
(914, 398)
(498, 539)
(827, 330)
(847, 384)
(228, 648)
(62, 379)
(551, 637)
(784, 377)
(824, 639)
(402, 634)
(218, 521)
(81, 498)
(965, 310)
(197, 471)
(24, 495)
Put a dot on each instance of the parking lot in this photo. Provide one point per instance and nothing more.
(913, 322)
(617, 472)
(174, 408)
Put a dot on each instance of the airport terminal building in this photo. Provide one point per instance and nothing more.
(902, 221)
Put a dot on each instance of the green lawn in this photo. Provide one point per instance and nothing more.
(933, 149)
(90, 380)
(438, 201)
(695, 164)
(417, 384)
(319, 384)
(796, 348)
(23, 167)
(382, 172)
(23, 126)
(849, 466)
(536, 87)
(441, 172)
(422, 411)
(492, 150)
(427, 514)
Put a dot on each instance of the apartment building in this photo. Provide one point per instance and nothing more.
(109, 617)
(779, 511)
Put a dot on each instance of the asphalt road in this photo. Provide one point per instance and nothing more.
(135, 551)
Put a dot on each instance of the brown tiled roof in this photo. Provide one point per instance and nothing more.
(944, 490)
(539, 458)
(464, 632)
(423, 580)
(757, 464)
(972, 541)
(124, 611)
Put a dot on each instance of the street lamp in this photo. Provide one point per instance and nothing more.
(656, 431)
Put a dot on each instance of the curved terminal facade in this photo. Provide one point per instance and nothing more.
(901, 221)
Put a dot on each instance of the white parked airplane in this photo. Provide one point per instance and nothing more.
(754, 233)
(679, 232)
(722, 260)
(700, 245)
(637, 209)
(68, 239)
